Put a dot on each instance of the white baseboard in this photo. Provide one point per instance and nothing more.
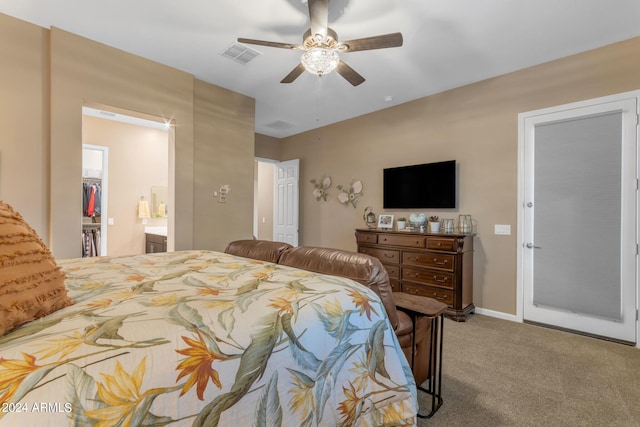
(497, 314)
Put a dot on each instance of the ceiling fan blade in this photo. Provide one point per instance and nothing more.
(349, 73)
(271, 44)
(294, 74)
(375, 42)
(319, 16)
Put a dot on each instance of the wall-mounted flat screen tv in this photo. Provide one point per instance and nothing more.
(430, 185)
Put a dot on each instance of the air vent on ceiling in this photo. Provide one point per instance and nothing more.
(240, 53)
(279, 125)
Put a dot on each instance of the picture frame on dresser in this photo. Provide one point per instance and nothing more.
(385, 222)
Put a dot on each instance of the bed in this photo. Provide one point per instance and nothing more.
(205, 338)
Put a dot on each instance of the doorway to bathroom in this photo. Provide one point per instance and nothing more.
(136, 195)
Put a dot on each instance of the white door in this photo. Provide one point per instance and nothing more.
(285, 206)
(579, 238)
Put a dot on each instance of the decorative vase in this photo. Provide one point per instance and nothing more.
(447, 225)
(464, 224)
(435, 226)
(401, 225)
(417, 220)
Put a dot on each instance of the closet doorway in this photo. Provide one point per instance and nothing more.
(138, 166)
(95, 181)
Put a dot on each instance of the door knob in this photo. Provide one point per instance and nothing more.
(531, 246)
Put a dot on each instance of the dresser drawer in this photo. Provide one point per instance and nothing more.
(367, 238)
(395, 285)
(429, 259)
(406, 241)
(441, 244)
(428, 277)
(393, 271)
(386, 256)
(438, 294)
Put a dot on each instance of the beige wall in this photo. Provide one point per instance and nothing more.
(224, 154)
(138, 160)
(48, 75)
(268, 147)
(24, 120)
(477, 126)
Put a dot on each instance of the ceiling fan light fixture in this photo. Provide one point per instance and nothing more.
(320, 60)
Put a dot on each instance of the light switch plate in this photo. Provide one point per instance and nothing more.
(502, 229)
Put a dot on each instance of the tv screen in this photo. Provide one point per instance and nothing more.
(430, 185)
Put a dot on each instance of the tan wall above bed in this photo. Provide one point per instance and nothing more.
(24, 120)
(477, 126)
(46, 78)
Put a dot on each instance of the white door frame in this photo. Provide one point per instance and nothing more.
(521, 232)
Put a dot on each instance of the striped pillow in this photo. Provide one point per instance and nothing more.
(31, 283)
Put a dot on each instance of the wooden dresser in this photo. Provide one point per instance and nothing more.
(435, 265)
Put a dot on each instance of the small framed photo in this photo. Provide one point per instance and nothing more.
(385, 221)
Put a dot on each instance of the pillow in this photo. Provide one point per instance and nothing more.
(31, 283)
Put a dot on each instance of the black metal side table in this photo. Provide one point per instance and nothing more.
(416, 306)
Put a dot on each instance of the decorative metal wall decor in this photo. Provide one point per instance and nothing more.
(350, 195)
(321, 187)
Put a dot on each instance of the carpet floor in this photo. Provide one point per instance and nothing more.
(502, 373)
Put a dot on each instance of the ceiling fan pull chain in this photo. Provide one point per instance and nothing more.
(318, 107)
(318, 102)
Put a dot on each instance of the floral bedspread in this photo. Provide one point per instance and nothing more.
(204, 338)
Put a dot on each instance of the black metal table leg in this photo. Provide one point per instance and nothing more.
(434, 387)
(414, 306)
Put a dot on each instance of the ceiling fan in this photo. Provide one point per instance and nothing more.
(322, 48)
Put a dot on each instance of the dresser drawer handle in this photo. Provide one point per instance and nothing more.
(438, 262)
(443, 280)
(414, 259)
(389, 256)
(439, 297)
(439, 243)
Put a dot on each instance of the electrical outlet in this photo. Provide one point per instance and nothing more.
(502, 229)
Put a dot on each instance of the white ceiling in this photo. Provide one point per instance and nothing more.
(447, 43)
